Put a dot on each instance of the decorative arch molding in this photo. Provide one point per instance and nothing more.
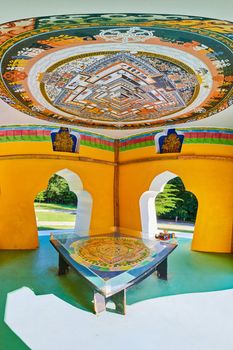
(160, 181)
(147, 204)
(84, 208)
(74, 181)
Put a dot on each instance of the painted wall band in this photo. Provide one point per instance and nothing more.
(42, 134)
(160, 157)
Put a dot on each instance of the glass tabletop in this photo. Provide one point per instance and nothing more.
(111, 262)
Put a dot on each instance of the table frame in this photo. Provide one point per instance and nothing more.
(118, 298)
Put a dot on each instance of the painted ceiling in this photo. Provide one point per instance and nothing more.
(117, 71)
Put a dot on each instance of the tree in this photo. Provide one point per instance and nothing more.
(167, 200)
(184, 209)
(57, 192)
(41, 197)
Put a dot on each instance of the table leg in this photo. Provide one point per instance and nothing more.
(119, 299)
(162, 270)
(62, 266)
(99, 303)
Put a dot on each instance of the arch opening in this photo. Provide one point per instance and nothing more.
(168, 205)
(64, 205)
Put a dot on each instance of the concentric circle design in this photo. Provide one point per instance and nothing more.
(119, 86)
(110, 253)
(117, 71)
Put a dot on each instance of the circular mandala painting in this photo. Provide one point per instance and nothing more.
(117, 71)
(110, 253)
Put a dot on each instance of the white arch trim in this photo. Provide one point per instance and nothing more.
(160, 181)
(84, 208)
(147, 204)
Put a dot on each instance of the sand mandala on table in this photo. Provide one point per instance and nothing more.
(110, 253)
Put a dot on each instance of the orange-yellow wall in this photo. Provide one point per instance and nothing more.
(187, 149)
(10, 148)
(210, 180)
(22, 179)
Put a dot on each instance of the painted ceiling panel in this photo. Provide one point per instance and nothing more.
(117, 71)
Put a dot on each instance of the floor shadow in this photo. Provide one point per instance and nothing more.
(75, 290)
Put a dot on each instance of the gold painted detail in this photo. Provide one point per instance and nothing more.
(63, 141)
(171, 144)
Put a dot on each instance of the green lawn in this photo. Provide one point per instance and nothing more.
(51, 228)
(53, 206)
(55, 216)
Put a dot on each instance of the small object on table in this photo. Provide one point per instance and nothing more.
(165, 235)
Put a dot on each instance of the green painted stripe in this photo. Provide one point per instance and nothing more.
(184, 130)
(96, 145)
(209, 140)
(44, 138)
(217, 141)
(20, 138)
(137, 145)
(36, 138)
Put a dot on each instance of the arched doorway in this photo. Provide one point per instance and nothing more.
(81, 212)
(164, 188)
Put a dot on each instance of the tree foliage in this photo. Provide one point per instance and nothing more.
(57, 192)
(171, 204)
(185, 208)
(167, 200)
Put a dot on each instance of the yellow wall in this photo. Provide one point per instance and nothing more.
(187, 149)
(10, 148)
(210, 180)
(22, 179)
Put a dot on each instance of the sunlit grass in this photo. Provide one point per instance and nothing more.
(54, 206)
(51, 228)
(55, 216)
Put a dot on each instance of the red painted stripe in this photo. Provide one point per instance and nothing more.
(94, 140)
(137, 140)
(208, 135)
(97, 141)
(40, 132)
(24, 132)
(43, 132)
(187, 134)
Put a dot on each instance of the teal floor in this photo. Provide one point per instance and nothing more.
(188, 272)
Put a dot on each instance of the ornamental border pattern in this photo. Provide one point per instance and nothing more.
(31, 133)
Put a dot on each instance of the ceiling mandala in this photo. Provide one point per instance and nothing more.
(119, 87)
(117, 70)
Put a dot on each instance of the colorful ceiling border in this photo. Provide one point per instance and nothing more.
(36, 133)
(191, 136)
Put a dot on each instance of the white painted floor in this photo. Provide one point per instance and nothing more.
(199, 321)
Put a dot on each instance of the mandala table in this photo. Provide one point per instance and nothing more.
(111, 264)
